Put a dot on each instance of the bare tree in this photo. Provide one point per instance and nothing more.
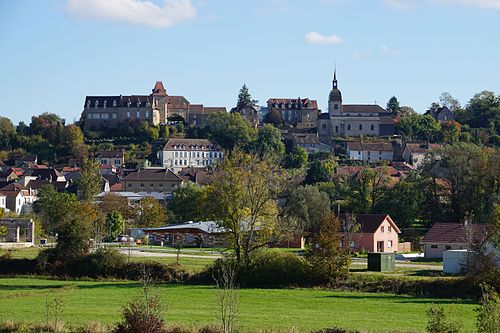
(228, 295)
(350, 230)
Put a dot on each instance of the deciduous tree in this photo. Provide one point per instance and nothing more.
(244, 197)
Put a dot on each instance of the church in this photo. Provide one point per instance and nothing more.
(353, 119)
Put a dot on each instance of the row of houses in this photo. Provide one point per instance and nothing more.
(411, 152)
(376, 233)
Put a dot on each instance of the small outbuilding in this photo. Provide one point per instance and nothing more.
(194, 234)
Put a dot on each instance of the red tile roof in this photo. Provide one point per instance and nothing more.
(454, 233)
(422, 148)
(159, 89)
(371, 222)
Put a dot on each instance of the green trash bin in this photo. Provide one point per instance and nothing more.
(381, 262)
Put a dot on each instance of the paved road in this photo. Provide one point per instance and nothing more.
(141, 253)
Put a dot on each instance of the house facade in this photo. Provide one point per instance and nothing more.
(251, 113)
(414, 152)
(197, 153)
(160, 180)
(377, 233)
(296, 112)
(370, 151)
(111, 157)
(441, 114)
(309, 141)
(452, 236)
(353, 119)
(18, 199)
(198, 114)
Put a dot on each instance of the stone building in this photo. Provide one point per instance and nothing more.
(370, 151)
(299, 112)
(441, 114)
(197, 153)
(108, 112)
(151, 180)
(353, 119)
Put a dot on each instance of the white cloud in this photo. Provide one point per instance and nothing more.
(357, 55)
(408, 4)
(494, 4)
(400, 4)
(314, 37)
(141, 12)
(388, 50)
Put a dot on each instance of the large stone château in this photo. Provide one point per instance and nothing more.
(353, 119)
(110, 112)
(106, 112)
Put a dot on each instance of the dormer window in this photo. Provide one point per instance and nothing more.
(138, 103)
(105, 103)
(114, 103)
(128, 103)
(88, 104)
(96, 104)
(148, 104)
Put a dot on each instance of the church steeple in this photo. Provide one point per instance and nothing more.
(334, 82)
(335, 94)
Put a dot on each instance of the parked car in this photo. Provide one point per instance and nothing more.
(125, 238)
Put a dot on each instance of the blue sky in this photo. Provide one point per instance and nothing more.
(55, 52)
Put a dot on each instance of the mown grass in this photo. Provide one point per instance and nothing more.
(23, 299)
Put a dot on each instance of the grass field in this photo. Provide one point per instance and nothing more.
(23, 299)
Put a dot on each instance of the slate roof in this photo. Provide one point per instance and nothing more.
(369, 146)
(306, 103)
(153, 174)
(304, 138)
(371, 222)
(121, 101)
(454, 233)
(324, 115)
(190, 144)
(208, 227)
(362, 108)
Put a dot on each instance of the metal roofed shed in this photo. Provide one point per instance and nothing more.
(381, 262)
(190, 234)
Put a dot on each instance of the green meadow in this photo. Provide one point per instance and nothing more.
(24, 299)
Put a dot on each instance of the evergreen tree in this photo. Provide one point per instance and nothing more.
(244, 98)
(393, 105)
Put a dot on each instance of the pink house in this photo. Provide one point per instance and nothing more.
(377, 233)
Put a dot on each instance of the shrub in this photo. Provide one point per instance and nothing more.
(488, 312)
(181, 329)
(438, 323)
(210, 329)
(92, 327)
(142, 316)
(9, 266)
(335, 330)
(102, 263)
(159, 272)
(266, 269)
(11, 326)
